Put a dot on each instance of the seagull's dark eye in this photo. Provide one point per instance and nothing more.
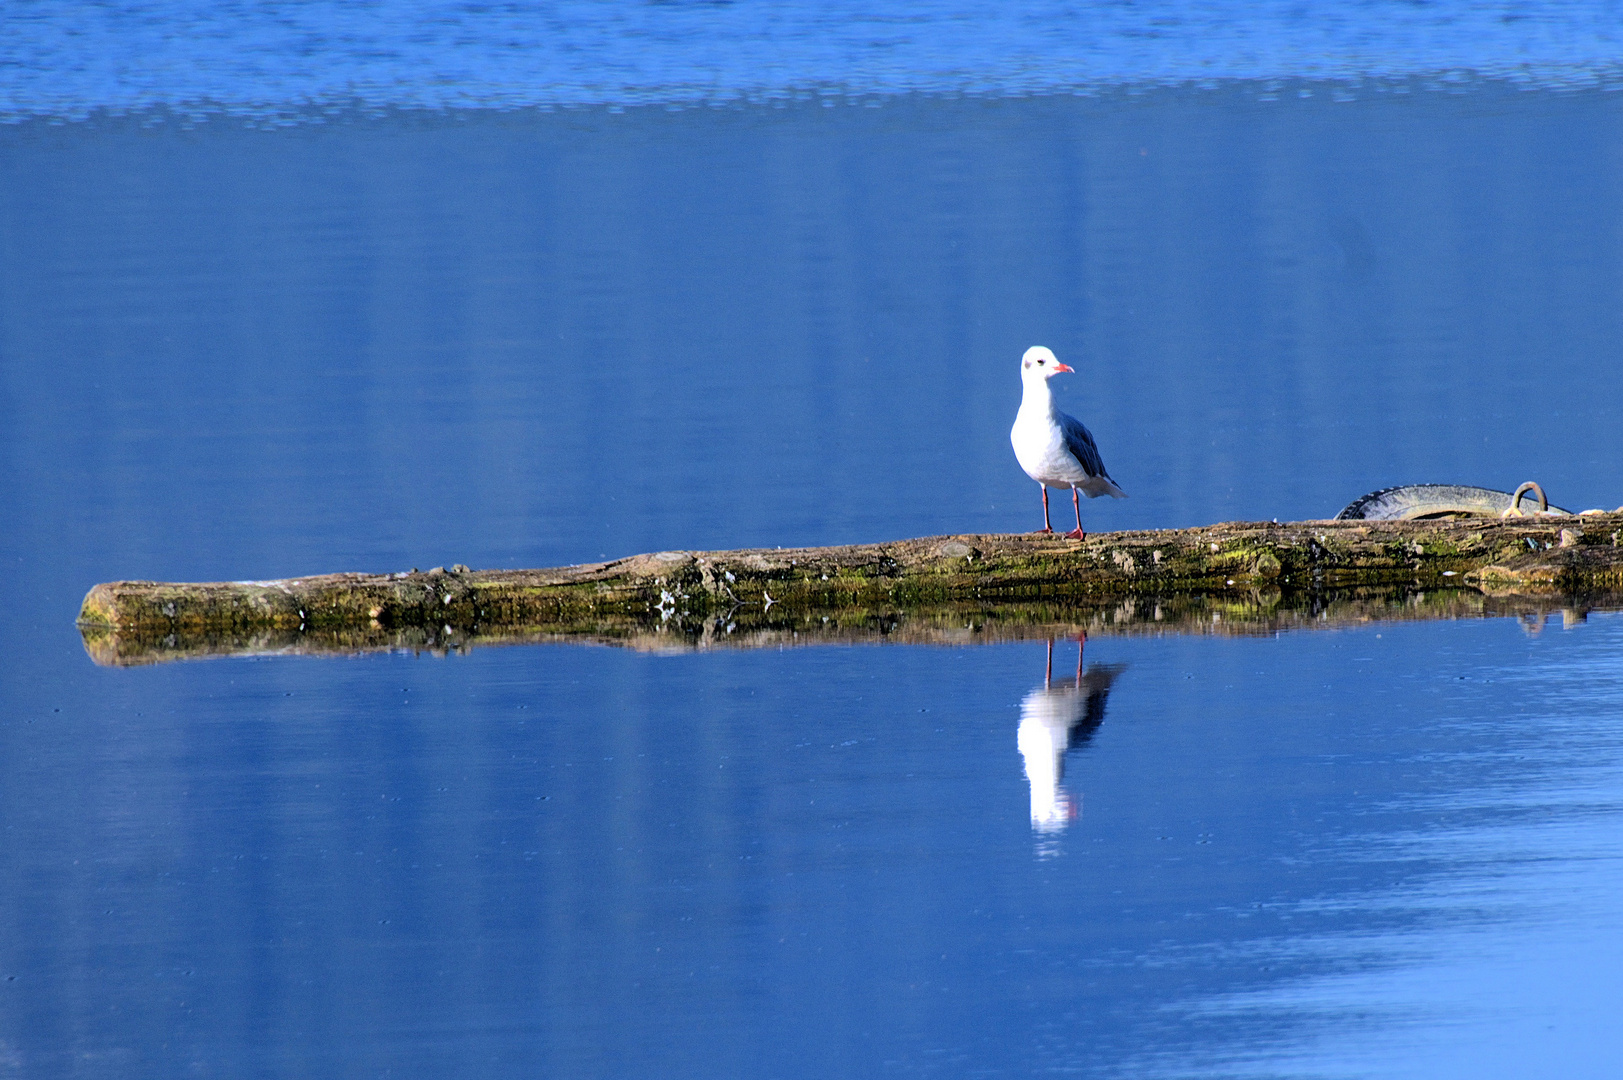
(1040, 363)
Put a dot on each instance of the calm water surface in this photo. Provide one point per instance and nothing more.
(401, 337)
(1385, 852)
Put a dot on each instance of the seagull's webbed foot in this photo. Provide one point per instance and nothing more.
(1044, 531)
(1075, 534)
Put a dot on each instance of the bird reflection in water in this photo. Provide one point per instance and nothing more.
(1053, 718)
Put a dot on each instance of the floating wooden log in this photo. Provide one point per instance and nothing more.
(1528, 556)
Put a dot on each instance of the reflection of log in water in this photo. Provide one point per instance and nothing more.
(1254, 612)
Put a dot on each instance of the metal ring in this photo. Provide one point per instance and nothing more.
(1515, 500)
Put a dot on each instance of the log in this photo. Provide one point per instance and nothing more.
(1291, 567)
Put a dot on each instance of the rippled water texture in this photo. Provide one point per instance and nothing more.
(64, 58)
(526, 338)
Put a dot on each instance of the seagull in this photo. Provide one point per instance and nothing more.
(1053, 448)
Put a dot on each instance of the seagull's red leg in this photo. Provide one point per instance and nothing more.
(1081, 643)
(1076, 504)
(1048, 672)
(1047, 528)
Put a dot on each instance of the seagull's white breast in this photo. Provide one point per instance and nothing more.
(1039, 446)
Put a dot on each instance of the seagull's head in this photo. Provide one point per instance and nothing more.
(1040, 364)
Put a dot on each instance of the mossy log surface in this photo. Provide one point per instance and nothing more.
(1297, 571)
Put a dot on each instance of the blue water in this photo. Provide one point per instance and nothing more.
(301, 288)
(63, 58)
(1392, 851)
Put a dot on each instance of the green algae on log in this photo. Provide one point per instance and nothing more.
(1554, 556)
(1231, 613)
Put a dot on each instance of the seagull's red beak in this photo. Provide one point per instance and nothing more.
(1058, 367)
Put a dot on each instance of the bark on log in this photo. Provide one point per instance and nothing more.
(1264, 563)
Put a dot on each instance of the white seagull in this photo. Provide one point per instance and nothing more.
(1053, 448)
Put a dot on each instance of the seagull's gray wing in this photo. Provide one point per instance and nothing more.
(1079, 441)
(1096, 686)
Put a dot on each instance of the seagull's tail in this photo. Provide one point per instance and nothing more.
(1102, 485)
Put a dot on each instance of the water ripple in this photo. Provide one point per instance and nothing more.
(69, 59)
